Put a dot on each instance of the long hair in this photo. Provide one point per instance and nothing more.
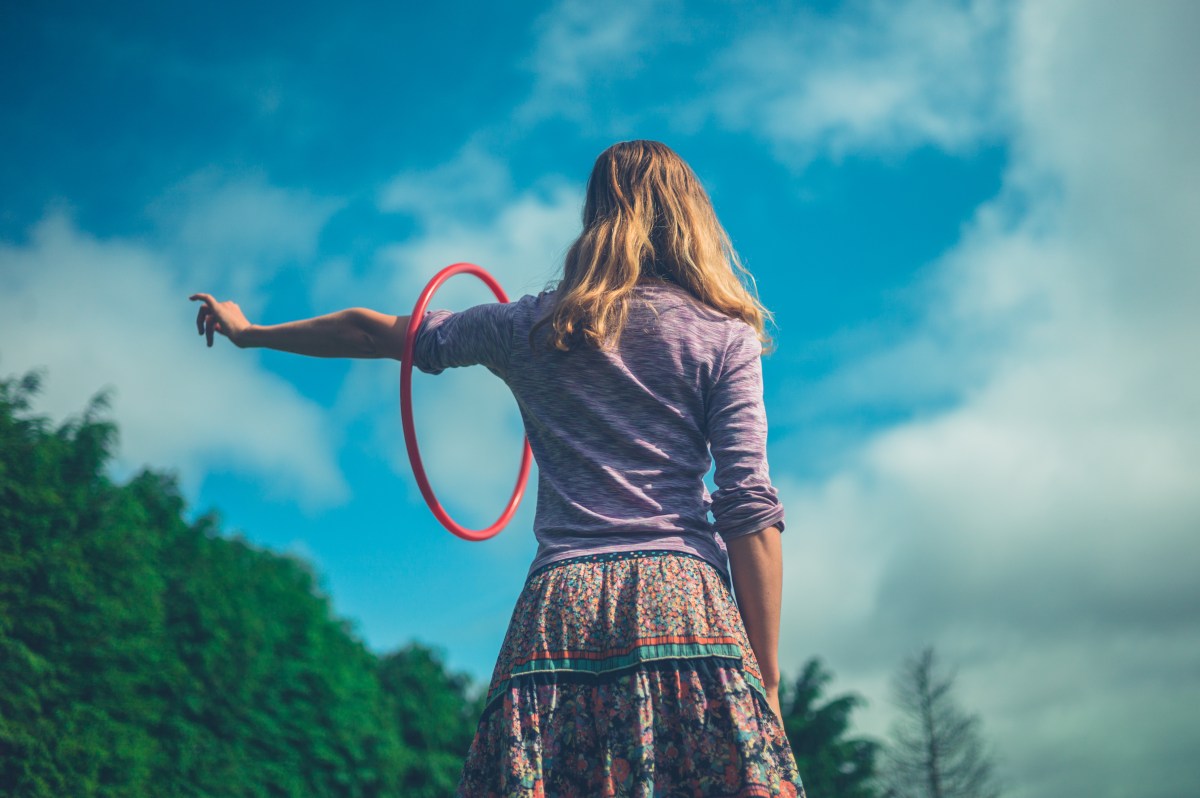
(646, 218)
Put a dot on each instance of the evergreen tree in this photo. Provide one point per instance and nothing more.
(937, 749)
(830, 763)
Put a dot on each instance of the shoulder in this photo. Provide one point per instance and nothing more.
(742, 335)
(507, 312)
(535, 302)
(742, 346)
(528, 309)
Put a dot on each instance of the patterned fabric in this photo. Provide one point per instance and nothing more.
(628, 675)
(624, 436)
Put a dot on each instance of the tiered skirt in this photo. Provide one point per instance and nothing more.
(628, 675)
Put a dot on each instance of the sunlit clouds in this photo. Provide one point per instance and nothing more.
(105, 315)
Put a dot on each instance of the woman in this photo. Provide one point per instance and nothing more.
(627, 669)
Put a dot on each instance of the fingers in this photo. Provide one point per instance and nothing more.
(205, 311)
(206, 317)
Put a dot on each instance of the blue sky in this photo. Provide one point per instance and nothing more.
(973, 220)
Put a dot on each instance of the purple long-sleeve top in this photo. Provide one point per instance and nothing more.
(623, 437)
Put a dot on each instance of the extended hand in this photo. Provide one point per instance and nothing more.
(223, 317)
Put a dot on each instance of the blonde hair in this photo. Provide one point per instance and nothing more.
(646, 218)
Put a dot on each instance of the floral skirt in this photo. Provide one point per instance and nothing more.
(628, 675)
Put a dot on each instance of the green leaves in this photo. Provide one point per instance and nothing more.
(141, 655)
(436, 719)
(830, 763)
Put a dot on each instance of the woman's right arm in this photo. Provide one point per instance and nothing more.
(355, 332)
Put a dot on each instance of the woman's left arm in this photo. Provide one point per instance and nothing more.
(354, 332)
(756, 565)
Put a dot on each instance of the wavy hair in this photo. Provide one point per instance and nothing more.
(646, 218)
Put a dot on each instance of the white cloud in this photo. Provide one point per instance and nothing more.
(1041, 531)
(583, 45)
(472, 183)
(233, 233)
(467, 421)
(464, 210)
(877, 77)
(100, 314)
(522, 243)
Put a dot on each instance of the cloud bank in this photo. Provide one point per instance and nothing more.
(1041, 530)
(876, 77)
(101, 314)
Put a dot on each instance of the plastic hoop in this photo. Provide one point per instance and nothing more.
(406, 414)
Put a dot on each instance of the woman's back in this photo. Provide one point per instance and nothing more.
(622, 434)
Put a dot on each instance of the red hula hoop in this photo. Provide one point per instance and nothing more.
(406, 414)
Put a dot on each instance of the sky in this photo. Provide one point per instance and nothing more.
(975, 223)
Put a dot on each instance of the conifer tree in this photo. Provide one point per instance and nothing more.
(937, 749)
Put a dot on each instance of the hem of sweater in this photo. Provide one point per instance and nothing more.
(716, 557)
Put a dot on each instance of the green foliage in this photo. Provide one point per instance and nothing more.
(141, 655)
(830, 763)
(80, 613)
(435, 717)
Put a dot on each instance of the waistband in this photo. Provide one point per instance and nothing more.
(617, 556)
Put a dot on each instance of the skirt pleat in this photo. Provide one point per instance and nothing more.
(628, 675)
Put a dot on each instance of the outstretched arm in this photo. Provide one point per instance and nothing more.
(756, 561)
(355, 332)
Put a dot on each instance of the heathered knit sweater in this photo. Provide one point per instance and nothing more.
(622, 437)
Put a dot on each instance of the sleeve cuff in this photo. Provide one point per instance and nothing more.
(426, 346)
(753, 522)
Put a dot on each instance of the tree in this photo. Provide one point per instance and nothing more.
(80, 616)
(435, 716)
(143, 655)
(937, 749)
(830, 763)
